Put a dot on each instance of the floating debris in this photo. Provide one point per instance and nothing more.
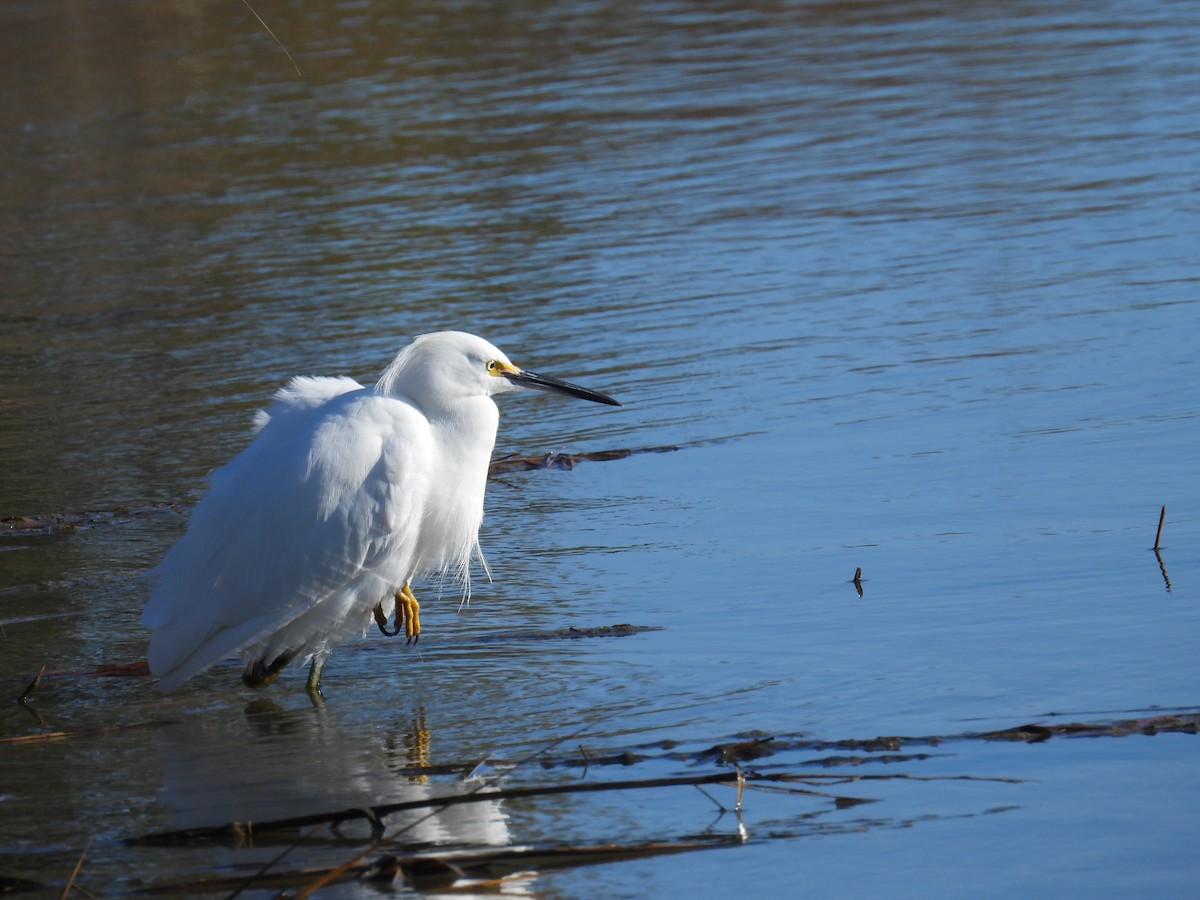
(73, 522)
(514, 462)
(43, 736)
(568, 634)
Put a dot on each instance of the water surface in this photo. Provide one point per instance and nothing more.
(913, 287)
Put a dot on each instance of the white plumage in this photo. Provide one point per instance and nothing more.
(345, 495)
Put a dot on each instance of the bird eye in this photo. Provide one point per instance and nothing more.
(492, 366)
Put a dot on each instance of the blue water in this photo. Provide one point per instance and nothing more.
(912, 288)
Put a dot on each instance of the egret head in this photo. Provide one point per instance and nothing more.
(436, 370)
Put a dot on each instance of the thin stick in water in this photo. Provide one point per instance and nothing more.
(1162, 516)
(75, 872)
(37, 679)
(272, 34)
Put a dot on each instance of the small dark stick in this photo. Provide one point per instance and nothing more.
(1161, 518)
(37, 679)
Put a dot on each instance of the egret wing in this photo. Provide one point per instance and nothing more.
(312, 524)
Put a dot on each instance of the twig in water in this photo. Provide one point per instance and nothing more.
(266, 867)
(32, 685)
(83, 732)
(272, 34)
(75, 872)
(1162, 516)
(715, 802)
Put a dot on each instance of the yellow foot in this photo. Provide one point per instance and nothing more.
(412, 613)
(408, 614)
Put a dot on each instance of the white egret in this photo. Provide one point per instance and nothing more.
(345, 495)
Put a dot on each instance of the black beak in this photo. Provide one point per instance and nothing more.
(542, 383)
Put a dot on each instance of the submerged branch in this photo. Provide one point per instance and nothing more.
(515, 462)
(74, 522)
(43, 736)
(440, 869)
(246, 830)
